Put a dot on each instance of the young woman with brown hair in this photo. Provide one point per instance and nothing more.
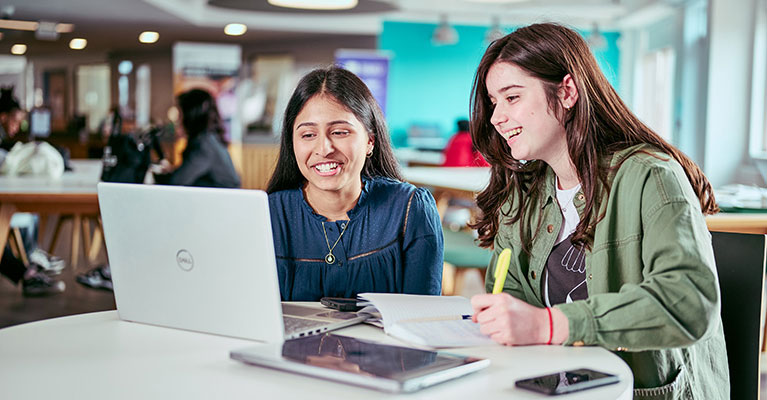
(604, 220)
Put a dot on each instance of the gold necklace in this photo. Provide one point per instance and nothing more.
(330, 258)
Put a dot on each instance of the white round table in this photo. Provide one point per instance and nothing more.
(96, 355)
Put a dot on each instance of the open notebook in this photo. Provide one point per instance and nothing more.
(430, 321)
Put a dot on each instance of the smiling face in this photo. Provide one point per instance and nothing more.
(330, 145)
(522, 115)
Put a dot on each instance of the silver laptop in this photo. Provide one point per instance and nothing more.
(201, 259)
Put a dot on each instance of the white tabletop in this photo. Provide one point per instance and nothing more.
(469, 179)
(96, 355)
(83, 178)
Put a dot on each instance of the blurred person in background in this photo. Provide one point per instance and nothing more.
(206, 160)
(36, 278)
(460, 152)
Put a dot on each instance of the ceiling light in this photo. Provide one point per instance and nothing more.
(78, 43)
(18, 49)
(19, 25)
(64, 28)
(596, 39)
(315, 4)
(235, 29)
(148, 37)
(495, 32)
(496, 1)
(444, 34)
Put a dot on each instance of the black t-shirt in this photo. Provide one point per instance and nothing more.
(564, 277)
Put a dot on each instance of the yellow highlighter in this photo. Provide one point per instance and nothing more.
(501, 270)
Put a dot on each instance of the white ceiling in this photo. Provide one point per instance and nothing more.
(114, 24)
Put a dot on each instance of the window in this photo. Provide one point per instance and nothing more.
(655, 91)
(143, 95)
(758, 135)
(93, 94)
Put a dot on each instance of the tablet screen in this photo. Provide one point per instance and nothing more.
(365, 358)
(361, 362)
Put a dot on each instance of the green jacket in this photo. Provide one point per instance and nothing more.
(652, 283)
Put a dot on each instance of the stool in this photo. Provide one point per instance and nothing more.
(461, 255)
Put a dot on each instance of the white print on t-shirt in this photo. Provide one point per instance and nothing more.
(578, 265)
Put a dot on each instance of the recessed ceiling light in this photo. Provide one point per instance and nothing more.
(34, 25)
(315, 4)
(148, 37)
(235, 29)
(18, 49)
(496, 1)
(78, 43)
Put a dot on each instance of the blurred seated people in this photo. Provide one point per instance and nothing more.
(206, 161)
(460, 152)
(343, 220)
(11, 116)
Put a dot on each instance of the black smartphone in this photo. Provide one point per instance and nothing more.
(567, 381)
(340, 304)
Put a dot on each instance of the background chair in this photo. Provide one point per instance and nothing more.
(740, 263)
(462, 254)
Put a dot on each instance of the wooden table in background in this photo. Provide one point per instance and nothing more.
(73, 194)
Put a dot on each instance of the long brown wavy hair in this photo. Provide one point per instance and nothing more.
(598, 125)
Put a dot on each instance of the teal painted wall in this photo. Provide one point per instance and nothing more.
(431, 85)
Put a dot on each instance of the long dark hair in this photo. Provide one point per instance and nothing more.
(8, 102)
(597, 125)
(351, 92)
(199, 113)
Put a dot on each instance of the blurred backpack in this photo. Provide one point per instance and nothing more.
(126, 159)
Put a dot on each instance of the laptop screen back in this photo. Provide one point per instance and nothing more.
(200, 259)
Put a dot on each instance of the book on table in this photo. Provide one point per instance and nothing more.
(430, 321)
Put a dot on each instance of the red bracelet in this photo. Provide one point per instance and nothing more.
(551, 326)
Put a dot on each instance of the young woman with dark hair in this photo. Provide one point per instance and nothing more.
(344, 222)
(604, 220)
(206, 161)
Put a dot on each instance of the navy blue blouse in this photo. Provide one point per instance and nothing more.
(393, 244)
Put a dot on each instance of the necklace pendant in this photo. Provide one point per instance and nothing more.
(330, 258)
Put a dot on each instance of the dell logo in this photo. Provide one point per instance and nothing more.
(185, 260)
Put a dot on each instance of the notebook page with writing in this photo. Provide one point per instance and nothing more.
(430, 321)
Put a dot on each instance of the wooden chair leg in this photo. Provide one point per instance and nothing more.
(6, 213)
(56, 232)
(460, 275)
(76, 227)
(96, 243)
(86, 235)
(21, 251)
(14, 245)
(448, 279)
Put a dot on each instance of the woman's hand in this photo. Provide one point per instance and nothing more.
(511, 321)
